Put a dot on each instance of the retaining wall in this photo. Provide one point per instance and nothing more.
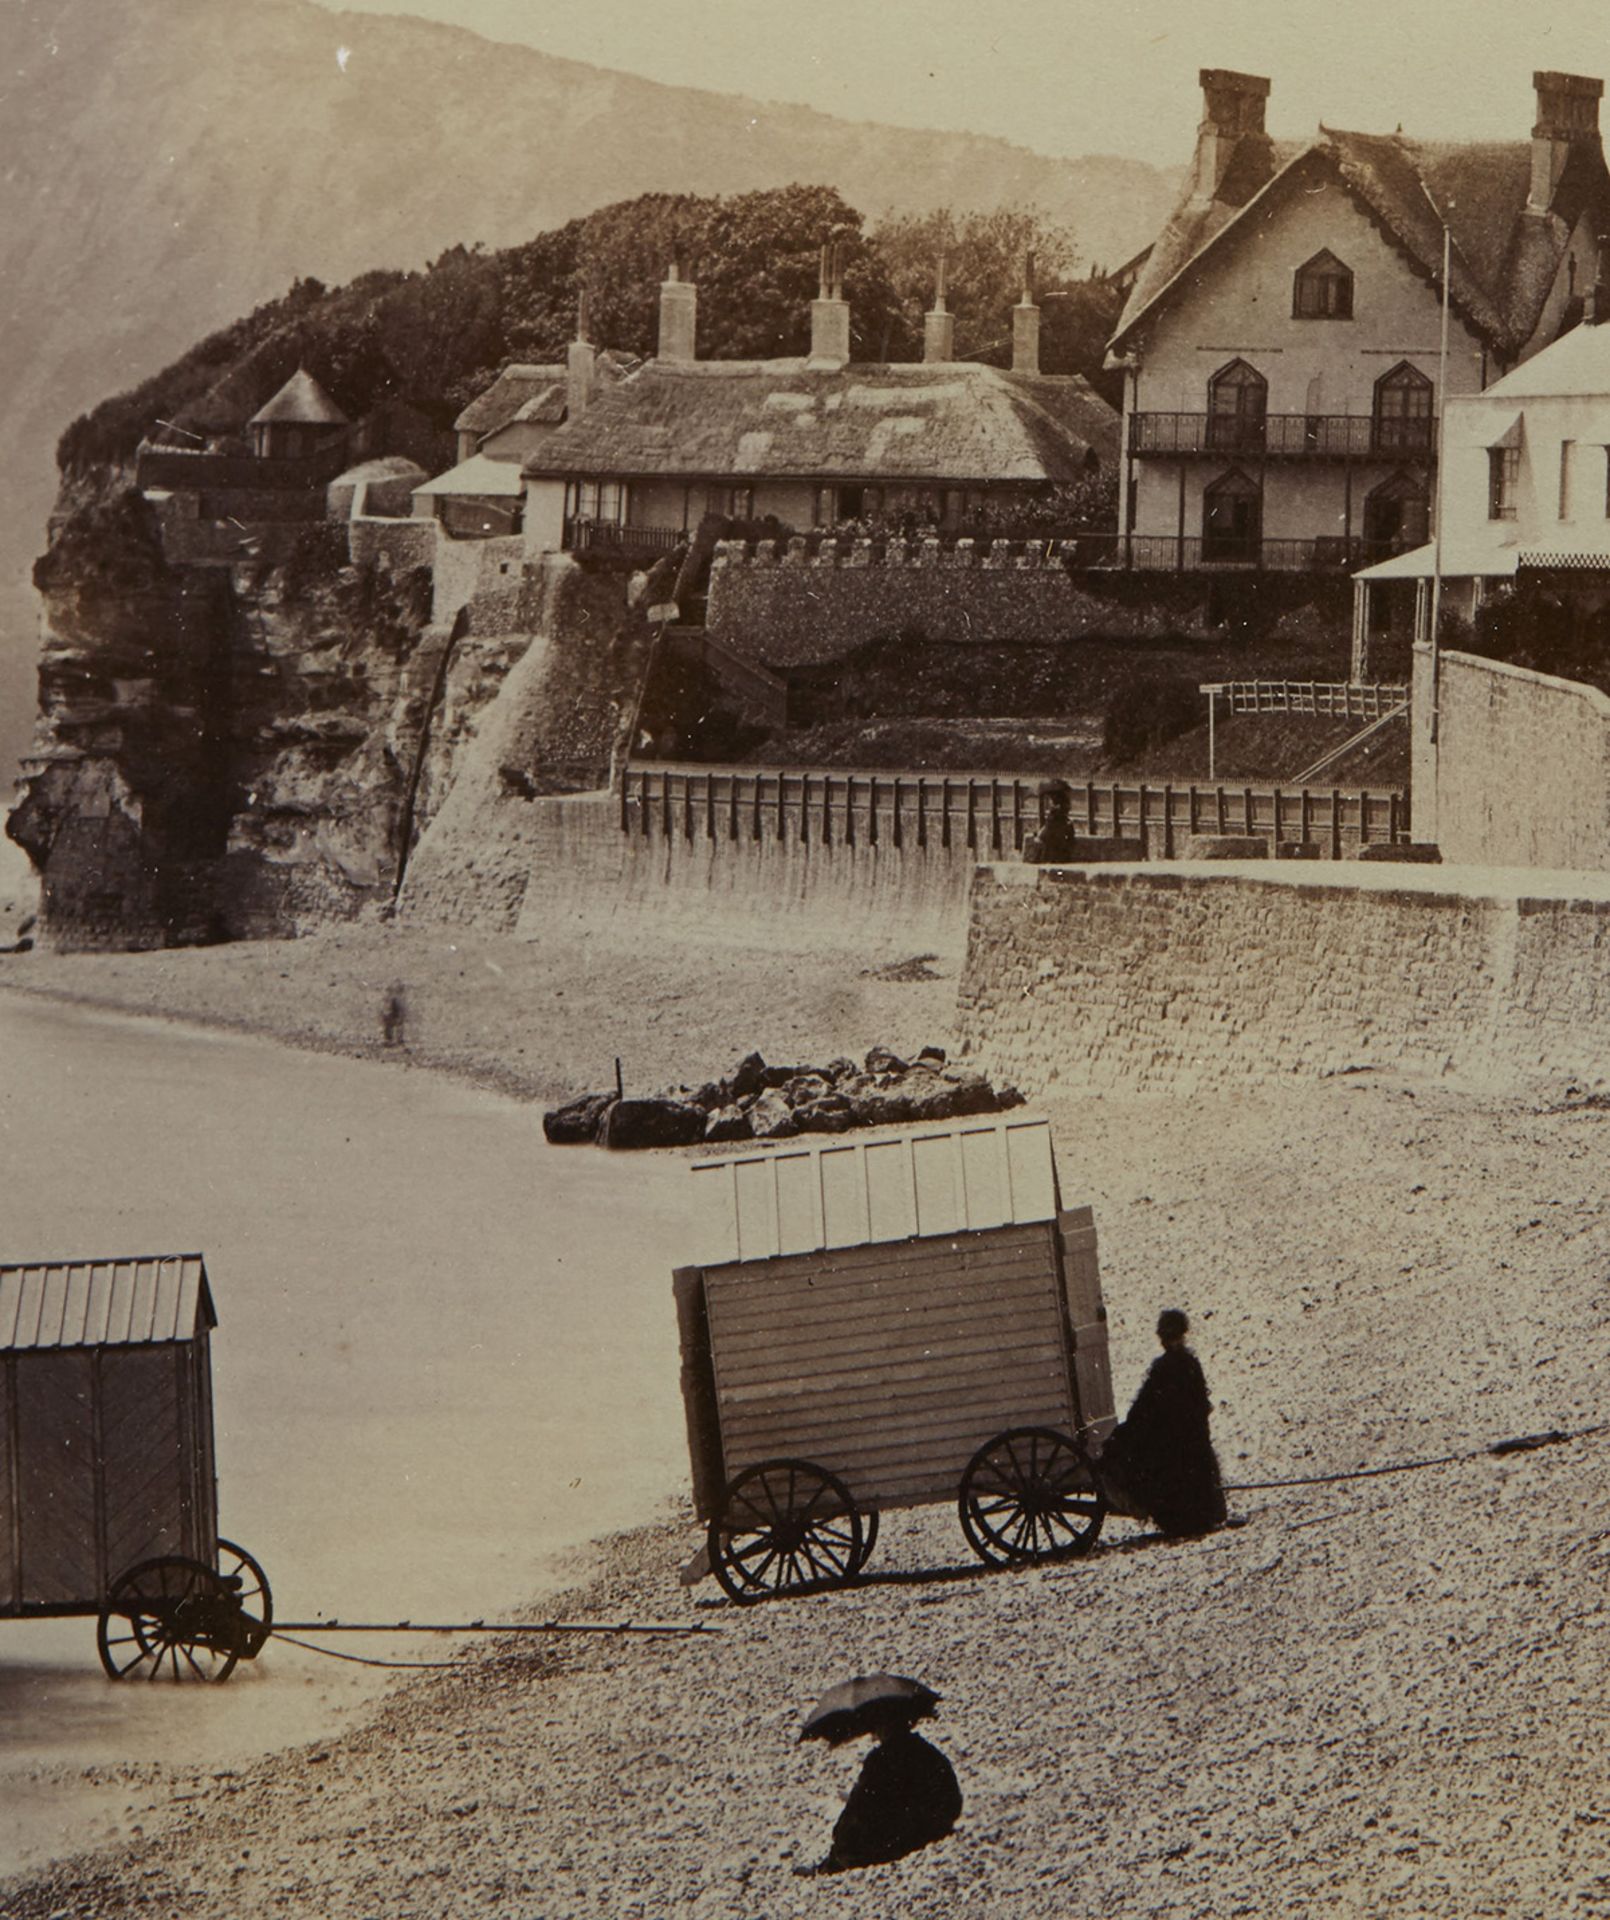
(402, 544)
(1180, 980)
(1519, 774)
(789, 604)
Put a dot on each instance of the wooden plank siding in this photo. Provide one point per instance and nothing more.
(890, 1364)
(1087, 1319)
(58, 1561)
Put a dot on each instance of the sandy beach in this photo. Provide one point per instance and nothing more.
(1380, 1695)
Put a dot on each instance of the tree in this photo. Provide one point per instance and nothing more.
(985, 255)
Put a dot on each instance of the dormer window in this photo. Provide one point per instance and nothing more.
(1322, 289)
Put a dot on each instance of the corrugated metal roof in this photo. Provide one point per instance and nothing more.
(848, 1193)
(135, 1300)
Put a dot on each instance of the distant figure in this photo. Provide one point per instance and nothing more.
(1160, 1459)
(1056, 837)
(394, 1018)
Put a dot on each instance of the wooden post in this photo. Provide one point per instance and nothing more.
(755, 829)
(1090, 808)
(804, 809)
(899, 836)
(1168, 822)
(1213, 702)
(872, 813)
(827, 809)
(665, 803)
(626, 781)
(732, 806)
(709, 806)
(972, 816)
(922, 811)
(620, 1084)
(1219, 809)
(1277, 816)
(1392, 816)
(687, 806)
(849, 809)
(994, 815)
(782, 814)
(1336, 823)
(1141, 809)
(944, 812)
(1246, 807)
(1364, 819)
(1303, 817)
(1114, 802)
(1017, 816)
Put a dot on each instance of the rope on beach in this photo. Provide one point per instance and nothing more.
(1523, 1443)
(294, 1627)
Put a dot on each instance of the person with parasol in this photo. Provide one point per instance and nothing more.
(906, 1794)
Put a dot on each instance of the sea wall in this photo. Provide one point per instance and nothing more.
(1183, 979)
(1519, 771)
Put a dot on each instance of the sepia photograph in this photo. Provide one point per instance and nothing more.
(804, 960)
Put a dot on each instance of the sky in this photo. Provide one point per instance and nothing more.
(1072, 76)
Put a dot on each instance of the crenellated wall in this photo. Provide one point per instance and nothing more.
(802, 601)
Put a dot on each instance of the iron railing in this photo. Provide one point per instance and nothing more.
(1333, 699)
(582, 536)
(1313, 436)
(989, 814)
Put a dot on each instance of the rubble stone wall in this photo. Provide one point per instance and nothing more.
(1519, 774)
(788, 604)
(1180, 980)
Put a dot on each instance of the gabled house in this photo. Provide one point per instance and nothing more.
(1524, 496)
(811, 441)
(522, 396)
(1281, 343)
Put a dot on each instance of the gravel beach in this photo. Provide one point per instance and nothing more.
(1371, 1696)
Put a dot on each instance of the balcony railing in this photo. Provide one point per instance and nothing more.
(1285, 436)
(582, 536)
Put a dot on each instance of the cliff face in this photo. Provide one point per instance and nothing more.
(222, 750)
(248, 750)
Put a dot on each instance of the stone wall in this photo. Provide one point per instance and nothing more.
(465, 568)
(1185, 980)
(1519, 774)
(401, 544)
(797, 602)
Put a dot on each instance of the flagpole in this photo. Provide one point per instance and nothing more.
(1436, 531)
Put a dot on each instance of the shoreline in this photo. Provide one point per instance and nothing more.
(1377, 1270)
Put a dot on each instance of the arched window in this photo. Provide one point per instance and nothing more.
(1232, 520)
(1397, 516)
(1238, 399)
(1403, 411)
(1322, 289)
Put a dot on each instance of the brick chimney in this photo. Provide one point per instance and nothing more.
(830, 313)
(679, 315)
(1567, 117)
(581, 365)
(1026, 325)
(938, 325)
(1232, 105)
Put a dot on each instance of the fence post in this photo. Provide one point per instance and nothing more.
(922, 812)
(899, 838)
(972, 816)
(665, 806)
(709, 806)
(1392, 817)
(872, 813)
(1090, 808)
(1364, 818)
(827, 809)
(1141, 809)
(1168, 822)
(687, 806)
(1218, 810)
(1336, 823)
(994, 815)
(1113, 801)
(626, 781)
(1017, 816)
(804, 809)
(1303, 815)
(1277, 816)
(732, 806)
(755, 828)
(782, 795)
(944, 812)
(1246, 808)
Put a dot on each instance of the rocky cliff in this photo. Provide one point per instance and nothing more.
(250, 747)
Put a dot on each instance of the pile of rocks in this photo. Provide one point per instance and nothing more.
(758, 1102)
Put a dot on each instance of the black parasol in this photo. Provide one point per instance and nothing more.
(868, 1704)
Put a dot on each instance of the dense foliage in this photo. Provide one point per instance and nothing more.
(437, 337)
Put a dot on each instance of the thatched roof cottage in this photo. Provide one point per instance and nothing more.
(299, 420)
(811, 441)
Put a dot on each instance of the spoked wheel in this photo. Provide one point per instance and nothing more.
(171, 1615)
(785, 1524)
(1028, 1494)
(253, 1595)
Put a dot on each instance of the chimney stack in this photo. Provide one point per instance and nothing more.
(1026, 325)
(938, 325)
(581, 363)
(1567, 117)
(830, 313)
(679, 314)
(1232, 105)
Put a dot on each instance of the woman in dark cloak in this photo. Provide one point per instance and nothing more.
(905, 1797)
(1161, 1456)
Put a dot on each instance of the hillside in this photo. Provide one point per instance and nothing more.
(168, 167)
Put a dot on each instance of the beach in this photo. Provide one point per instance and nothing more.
(1378, 1695)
